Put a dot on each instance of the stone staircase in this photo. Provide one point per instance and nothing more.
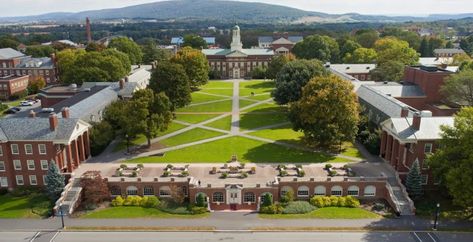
(404, 202)
(68, 201)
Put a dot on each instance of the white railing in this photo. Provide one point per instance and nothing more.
(404, 192)
(59, 201)
(393, 198)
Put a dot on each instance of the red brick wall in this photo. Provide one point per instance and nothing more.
(429, 82)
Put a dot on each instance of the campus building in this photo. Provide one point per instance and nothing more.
(280, 43)
(237, 62)
(13, 62)
(11, 85)
(448, 52)
(360, 72)
(28, 145)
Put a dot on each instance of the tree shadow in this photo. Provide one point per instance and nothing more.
(265, 84)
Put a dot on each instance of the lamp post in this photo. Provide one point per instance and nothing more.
(61, 213)
(127, 144)
(437, 213)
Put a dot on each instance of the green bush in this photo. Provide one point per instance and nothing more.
(317, 201)
(149, 202)
(352, 202)
(333, 201)
(288, 197)
(298, 207)
(200, 200)
(272, 209)
(198, 210)
(267, 200)
(132, 201)
(342, 201)
(118, 201)
(224, 175)
(328, 166)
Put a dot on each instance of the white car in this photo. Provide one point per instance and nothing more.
(47, 110)
(26, 103)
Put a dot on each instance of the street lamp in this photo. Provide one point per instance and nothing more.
(127, 144)
(437, 213)
(61, 213)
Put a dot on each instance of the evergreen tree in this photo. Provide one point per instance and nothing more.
(55, 182)
(414, 181)
(424, 48)
(200, 201)
(267, 200)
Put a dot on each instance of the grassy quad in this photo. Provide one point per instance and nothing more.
(190, 136)
(195, 118)
(218, 107)
(327, 213)
(136, 212)
(223, 123)
(28, 206)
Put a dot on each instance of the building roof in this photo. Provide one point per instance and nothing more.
(38, 129)
(282, 41)
(449, 51)
(295, 39)
(225, 52)
(265, 39)
(435, 61)
(43, 62)
(63, 41)
(353, 68)
(429, 127)
(9, 53)
(209, 40)
(395, 89)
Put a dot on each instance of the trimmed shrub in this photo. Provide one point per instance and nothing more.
(149, 202)
(352, 202)
(342, 201)
(288, 197)
(332, 201)
(298, 207)
(328, 166)
(132, 201)
(224, 175)
(317, 201)
(123, 166)
(272, 209)
(198, 210)
(267, 200)
(118, 201)
(200, 200)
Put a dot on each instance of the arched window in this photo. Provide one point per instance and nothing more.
(320, 191)
(164, 191)
(285, 189)
(353, 191)
(148, 191)
(303, 191)
(370, 191)
(336, 191)
(131, 191)
(217, 197)
(116, 191)
(197, 195)
(249, 197)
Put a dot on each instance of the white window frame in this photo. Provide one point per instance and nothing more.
(30, 162)
(30, 149)
(148, 191)
(44, 165)
(164, 191)
(335, 192)
(352, 191)
(17, 165)
(33, 180)
(1, 150)
(16, 150)
(429, 149)
(369, 194)
(425, 179)
(131, 191)
(45, 182)
(302, 190)
(3, 181)
(20, 178)
(249, 197)
(2, 165)
(218, 199)
(40, 149)
(318, 193)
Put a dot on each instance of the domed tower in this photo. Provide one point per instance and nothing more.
(236, 39)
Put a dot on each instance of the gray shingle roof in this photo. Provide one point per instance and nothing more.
(245, 51)
(449, 51)
(353, 68)
(265, 39)
(295, 39)
(397, 90)
(18, 129)
(8, 53)
(429, 127)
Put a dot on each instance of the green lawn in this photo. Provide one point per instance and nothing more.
(349, 149)
(190, 136)
(223, 123)
(327, 213)
(32, 206)
(198, 97)
(257, 87)
(137, 212)
(260, 97)
(266, 107)
(225, 92)
(223, 106)
(244, 103)
(251, 121)
(217, 84)
(140, 139)
(247, 150)
(195, 118)
(284, 134)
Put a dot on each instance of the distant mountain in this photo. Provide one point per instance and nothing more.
(221, 11)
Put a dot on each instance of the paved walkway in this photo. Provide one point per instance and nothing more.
(235, 128)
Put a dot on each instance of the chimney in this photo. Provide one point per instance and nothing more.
(404, 112)
(32, 114)
(121, 83)
(53, 122)
(416, 120)
(87, 30)
(65, 112)
(126, 79)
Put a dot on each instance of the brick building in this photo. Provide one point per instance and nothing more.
(448, 52)
(11, 85)
(360, 72)
(237, 62)
(280, 43)
(27, 145)
(13, 62)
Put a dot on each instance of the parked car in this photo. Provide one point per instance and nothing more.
(27, 103)
(47, 110)
(12, 110)
(34, 100)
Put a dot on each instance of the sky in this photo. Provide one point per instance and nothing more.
(373, 7)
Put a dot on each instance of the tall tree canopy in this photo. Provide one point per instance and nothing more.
(293, 77)
(194, 41)
(388, 71)
(459, 87)
(366, 37)
(410, 37)
(452, 162)
(152, 53)
(348, 48)
(129, 47)
(8, 41)
(195, 65)
(319, 47)
(171, 79)
(39, 50)
(361, 56)
(392, 49)
(467, 44)
(277, 63)
(327, 113)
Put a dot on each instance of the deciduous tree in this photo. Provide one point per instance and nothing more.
(95, 188)
(129, 47)
(361, 56)
(319, 47)
(277, 63)
(366, 37)
(171, 79)
(388, 71)
(392, 49)
(459, 87)
(195, 65)
(194, 41)
(39, 50)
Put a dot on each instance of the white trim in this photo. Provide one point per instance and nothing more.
(2, 165)
(3, 181)
(17, 168)
(26, 150)
(28, 162)
(45, 149)
(42, 165)
(35, 180)
(22, 180)
(17, 149)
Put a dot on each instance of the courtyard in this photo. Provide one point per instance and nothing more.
(234, 117)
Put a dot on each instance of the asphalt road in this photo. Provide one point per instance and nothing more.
(235, 236)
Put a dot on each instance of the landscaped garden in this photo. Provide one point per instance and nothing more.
(24, 204)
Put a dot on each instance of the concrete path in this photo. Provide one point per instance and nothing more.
(235, 128)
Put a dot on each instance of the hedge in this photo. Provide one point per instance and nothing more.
(333, 201)
(146, 202)
(298, 207)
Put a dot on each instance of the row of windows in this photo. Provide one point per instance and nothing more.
(303, 191)
(164, 191)
(30, 164)
(28, 148)
(20, 181)
(23, 72)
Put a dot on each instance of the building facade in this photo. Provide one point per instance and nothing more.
(11, 85)
(237, 62)
(28, 145)
(280, 43)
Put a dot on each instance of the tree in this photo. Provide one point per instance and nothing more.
(319, 47)
(39, 50)
(327, 113)
(35, 85)
(361, 56)
(55, 182)
(293, 77)
(435, 43)
(452, 162)
(366, 37)
(467, 44)
(8, 41)
(414, 181)
(410, 37)
(95, 188)
(267, 200)
(392, 49)
(259, 72)
(458, 87)
(277, 63)
(200, 200)
(460, 59)
(93, 46)
(171, 79)
(195, 65)
(194, 41)
(129, 47)
(348, 48)
(152, 53)
(122, 57)
(424, 48)
(101, 135)
(388, 71)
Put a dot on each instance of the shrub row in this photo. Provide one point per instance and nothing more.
(333, 201)
(146, 202)
(298, 207)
